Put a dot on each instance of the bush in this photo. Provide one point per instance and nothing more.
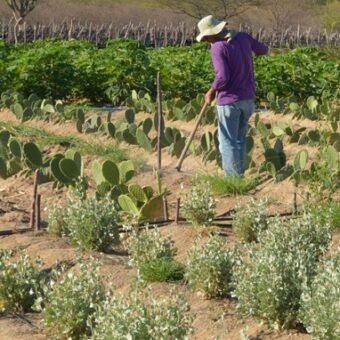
(250, 219)
(209, 267)
(320, 308)
(329, 212)
(20, 281)
(56, 220)
(70, 302)
(162, 270)
(138, 317)
(92, 224)
(269, 281)
(147, 246)
(199, 207)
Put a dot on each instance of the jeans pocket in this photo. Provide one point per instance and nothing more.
(228, 112)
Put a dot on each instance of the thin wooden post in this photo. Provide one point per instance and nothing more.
(178, 205)
(35, 190)
(37, 213)
(165, 208)
(294, 203)
(160, 122)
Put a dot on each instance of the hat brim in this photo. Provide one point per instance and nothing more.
(212, 31)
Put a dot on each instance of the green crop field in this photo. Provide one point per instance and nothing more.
(115, 243)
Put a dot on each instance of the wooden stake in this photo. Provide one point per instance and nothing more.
(35, 190)
(165, 208)
(160, 122)
(178, 205)
(37, 213)
(294, 203)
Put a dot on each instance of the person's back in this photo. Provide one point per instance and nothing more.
(235, 79)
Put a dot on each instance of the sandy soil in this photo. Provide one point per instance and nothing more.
(214, 319)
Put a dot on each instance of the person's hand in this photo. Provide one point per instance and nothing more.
(210, 96)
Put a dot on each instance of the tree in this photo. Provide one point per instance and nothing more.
(223, 9)
(20, 9)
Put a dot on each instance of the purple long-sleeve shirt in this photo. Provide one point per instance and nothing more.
(234, 70)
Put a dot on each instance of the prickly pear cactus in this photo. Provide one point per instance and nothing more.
(130, 116)
(143, 140)
(33, 156)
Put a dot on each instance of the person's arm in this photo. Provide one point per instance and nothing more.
(257, 47)
(221, 69)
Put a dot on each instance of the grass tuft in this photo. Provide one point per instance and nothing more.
(232, 185)
(162, 270)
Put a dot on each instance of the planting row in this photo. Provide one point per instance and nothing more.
(324, 169)
(283, 278)
(67, 69)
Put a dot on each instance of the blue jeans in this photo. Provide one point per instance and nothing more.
(232, 131)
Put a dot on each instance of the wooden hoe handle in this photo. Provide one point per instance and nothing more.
(184, 152)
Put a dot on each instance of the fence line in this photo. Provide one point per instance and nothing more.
(152, 34)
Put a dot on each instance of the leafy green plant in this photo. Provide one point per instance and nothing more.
(270, 279)
(140, 317)
(68, 304)
(92, 224)
(199, 207)
(21, 281)
(250, 219)
(231, 185)
(320, 310)
(147, 246)
(209, 267)
(162, 270)
(56, 220)
(329, 212)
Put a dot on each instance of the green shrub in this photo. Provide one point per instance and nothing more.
(250, 219)
(320, 307)
(56, 220)
(20, 281)
(138, 317)
(231, 185)
(329, 212)
(147, 246)
(162, 270)
(92, 224)
(199, 207)
(69, 303)
(209, 267)
(269, 281)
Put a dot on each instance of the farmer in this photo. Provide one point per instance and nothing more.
(234, 86)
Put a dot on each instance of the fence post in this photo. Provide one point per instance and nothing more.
(160, 122)
(178, 205)
(34, 198)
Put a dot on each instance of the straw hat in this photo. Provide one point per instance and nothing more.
(209, 25)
